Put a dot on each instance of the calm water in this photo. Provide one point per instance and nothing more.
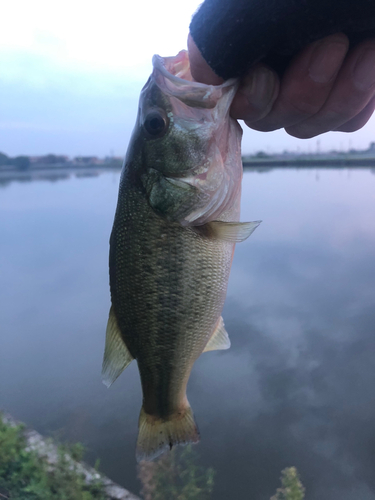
(296, 388)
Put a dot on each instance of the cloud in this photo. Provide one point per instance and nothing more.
(80, 48)
(80, 32)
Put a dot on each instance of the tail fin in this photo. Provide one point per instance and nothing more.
(157, 435)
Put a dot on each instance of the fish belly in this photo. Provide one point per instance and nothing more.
(168, 286)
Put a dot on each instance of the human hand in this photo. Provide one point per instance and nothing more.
(325, 87)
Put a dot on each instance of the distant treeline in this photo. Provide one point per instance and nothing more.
(21, 162)
(24, 162)
(336, 158)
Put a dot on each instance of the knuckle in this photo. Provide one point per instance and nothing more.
(348, 105)
(304, 105)
(339, 112)
(302, 132)
(347, 127)
(263, 125)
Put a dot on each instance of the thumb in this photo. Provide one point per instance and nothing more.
(200, 70)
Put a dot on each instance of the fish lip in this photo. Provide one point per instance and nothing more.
(188, 91)
(158, 64)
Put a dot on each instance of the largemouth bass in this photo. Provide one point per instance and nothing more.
(172, 244)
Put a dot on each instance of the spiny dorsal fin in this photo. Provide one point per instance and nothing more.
(233, 232)
(116, 354)
(219, 339)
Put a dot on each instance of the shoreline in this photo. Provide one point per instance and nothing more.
(47, 450)
(313, 162)
(55, 172)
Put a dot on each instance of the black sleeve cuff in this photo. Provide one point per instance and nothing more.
(232, 35)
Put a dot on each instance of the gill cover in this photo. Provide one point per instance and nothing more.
(191, 147)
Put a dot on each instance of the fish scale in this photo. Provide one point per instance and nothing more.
(146, 313)
(171, 247)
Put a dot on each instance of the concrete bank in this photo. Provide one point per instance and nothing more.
(49, 451)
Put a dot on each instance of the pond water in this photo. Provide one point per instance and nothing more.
(297, 386)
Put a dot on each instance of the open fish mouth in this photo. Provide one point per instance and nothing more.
(176, 68)
(173, 76)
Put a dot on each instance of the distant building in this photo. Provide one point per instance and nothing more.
(113, 159)
(49, 159)
(35, 159)
(88, 160)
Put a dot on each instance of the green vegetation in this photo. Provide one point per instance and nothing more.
(21, 162)
(176, 476)
(261, 154)
(292, 488)
(3, 159)
(25, 476)
(51, 159)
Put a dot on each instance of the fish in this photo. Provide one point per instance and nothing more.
(172, 244)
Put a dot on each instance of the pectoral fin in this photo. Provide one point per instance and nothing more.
(233, 232)
(116, 354)
(219, 339)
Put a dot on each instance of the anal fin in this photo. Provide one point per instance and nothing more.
(116, 355)
(219, 339)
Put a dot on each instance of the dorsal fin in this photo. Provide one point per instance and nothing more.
(116, 355)
(219, 339)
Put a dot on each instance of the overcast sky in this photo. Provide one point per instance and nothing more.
(71, 73)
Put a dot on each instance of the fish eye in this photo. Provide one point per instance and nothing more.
(155, 124)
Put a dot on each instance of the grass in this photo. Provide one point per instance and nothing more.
(24, 475)
(291, 486)
(176, 475)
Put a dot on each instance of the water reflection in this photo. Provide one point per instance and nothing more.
(11, 175)
(296, 388)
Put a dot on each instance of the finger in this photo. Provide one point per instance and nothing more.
(360, 120)
(257, 93)
(306, 84)
(354, 89)
(200, 70)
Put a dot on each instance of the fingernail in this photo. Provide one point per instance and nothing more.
(259, 87)
(326, 60)
(364, 70)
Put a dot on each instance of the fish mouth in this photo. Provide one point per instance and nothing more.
(176, 68)
(173, 77)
